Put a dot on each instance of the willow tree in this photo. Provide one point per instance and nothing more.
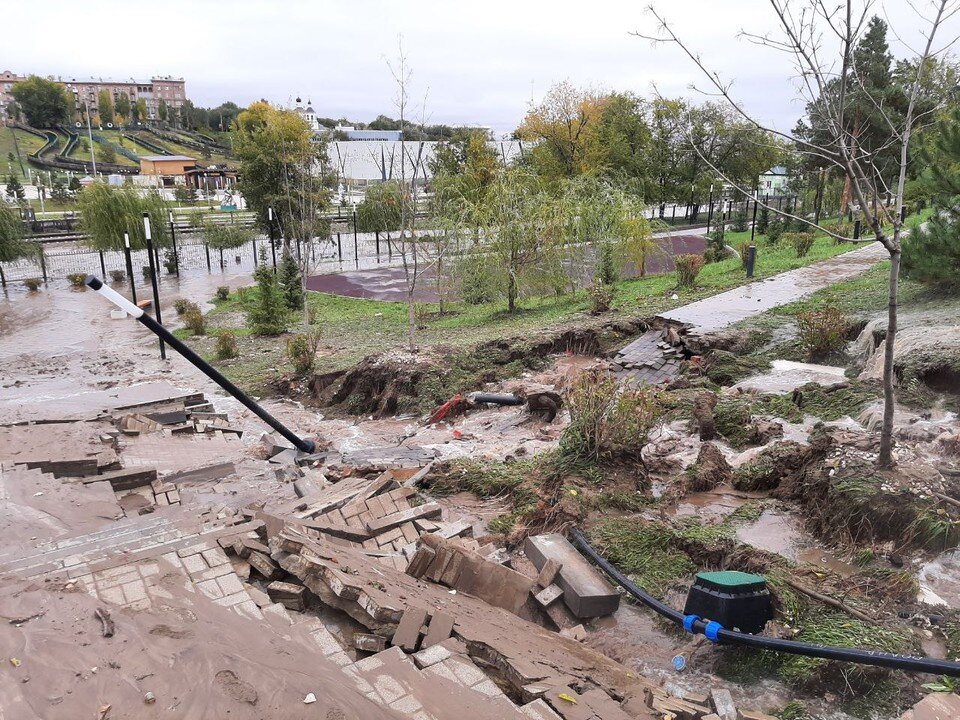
(825, 43)
(12, 245)
(107, 212)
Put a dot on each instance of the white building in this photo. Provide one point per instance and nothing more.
(308, 114)
(774, 181)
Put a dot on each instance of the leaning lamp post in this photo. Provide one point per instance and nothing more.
(95, 283)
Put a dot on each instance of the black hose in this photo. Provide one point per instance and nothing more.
(496, 398)
(863, 657)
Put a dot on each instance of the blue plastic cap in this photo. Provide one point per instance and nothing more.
(688, 622)
(712, 630)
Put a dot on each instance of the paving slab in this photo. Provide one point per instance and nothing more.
(585, 591)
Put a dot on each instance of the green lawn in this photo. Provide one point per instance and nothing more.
(354, 328)
(12, 140)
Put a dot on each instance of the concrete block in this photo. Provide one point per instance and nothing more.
(441, 625)
(407, 635)
(585, 591)
(548, 595)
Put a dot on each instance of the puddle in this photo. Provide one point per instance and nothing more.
(785, 375)
(774, 531)
(710, 505)
(633, 637)
(818, 557)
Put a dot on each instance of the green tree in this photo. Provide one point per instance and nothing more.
(44, 103)
(122, 106)
(381, 208)
(107, 212)
(931, 253)
(267, 315)
(74, 185)
(279, 169)
(162, 110)
(106, 152)
(12, 244)
(140, 111)
(15, 189)
(291, 281)
(623, 142)
(105, 106)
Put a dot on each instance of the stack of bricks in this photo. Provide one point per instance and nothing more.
(649, 359)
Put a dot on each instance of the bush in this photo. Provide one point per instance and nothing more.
(774, 230)
(77, 279)
(170, 261)
(226, 347)
(744, 251)
(740, 221)
(33, 284)
(716, 248)
(181, 305)
(291, 282)
(302, 352)
(763, 219)
(600, 297)
(478, 284)
(118, 275)
(223, 292)
(800, 242)
(688, 267)
(146, 272)
(931, 253)
(606, 418)
(822, 331)
(267, 315)
(607, 272)
(194, 321)
(840, 228)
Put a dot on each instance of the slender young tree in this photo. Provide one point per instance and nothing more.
(833, 82)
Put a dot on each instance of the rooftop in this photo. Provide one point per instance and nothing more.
(158, 158)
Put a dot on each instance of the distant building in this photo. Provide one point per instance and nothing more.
(774, 181)
(171, 90)
(168, 167)
(308, 114)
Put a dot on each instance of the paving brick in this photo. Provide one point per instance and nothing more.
(407, 634)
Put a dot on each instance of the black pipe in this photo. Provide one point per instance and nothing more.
(307, 446)
(496, 398)
(863, 657)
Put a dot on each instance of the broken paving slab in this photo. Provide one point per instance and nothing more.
(93, 404)
(585, 591)
(397, 455)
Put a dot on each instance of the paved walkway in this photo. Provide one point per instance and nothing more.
(720, 311)
(651, 359)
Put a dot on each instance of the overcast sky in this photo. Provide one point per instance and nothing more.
(475, 62)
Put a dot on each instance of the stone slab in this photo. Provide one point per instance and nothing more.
(585, 591)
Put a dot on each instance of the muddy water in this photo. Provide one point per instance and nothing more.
(785, 375)
(774, 531)
(940, 580)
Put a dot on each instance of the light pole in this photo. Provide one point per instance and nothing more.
(93, 159)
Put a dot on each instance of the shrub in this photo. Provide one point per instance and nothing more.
(226, 345)
(77, 279)
(181, 305)
(600, 297)
(606, 418)
(146, 272)
(118, 275)
(800, 242)
(33, 284)
(607, 272)
(763, 219)
(740, 221)
(716, 249)
(194, 321)
(688, 267)
(291, 283)
(931, 253)
(744, 250)
(840, 228)
(478, 283)
(302, 351)
(267, 315)
(223, 292)
(822, 331)
(774, 230)
(170, 261)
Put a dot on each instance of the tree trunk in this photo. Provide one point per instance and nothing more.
(886, 434)
(412, 321)
(511, 293)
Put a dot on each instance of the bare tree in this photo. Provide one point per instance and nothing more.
(829, 77)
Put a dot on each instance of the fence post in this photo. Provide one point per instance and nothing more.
(376, 234)
(43, 264)
(856, 230)
(3, 278)
(176, 253)
(339, 248)
(254, 241)
(103, 267)
(148, 234)
(273, 243)
(356, 252)
(126, 254)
